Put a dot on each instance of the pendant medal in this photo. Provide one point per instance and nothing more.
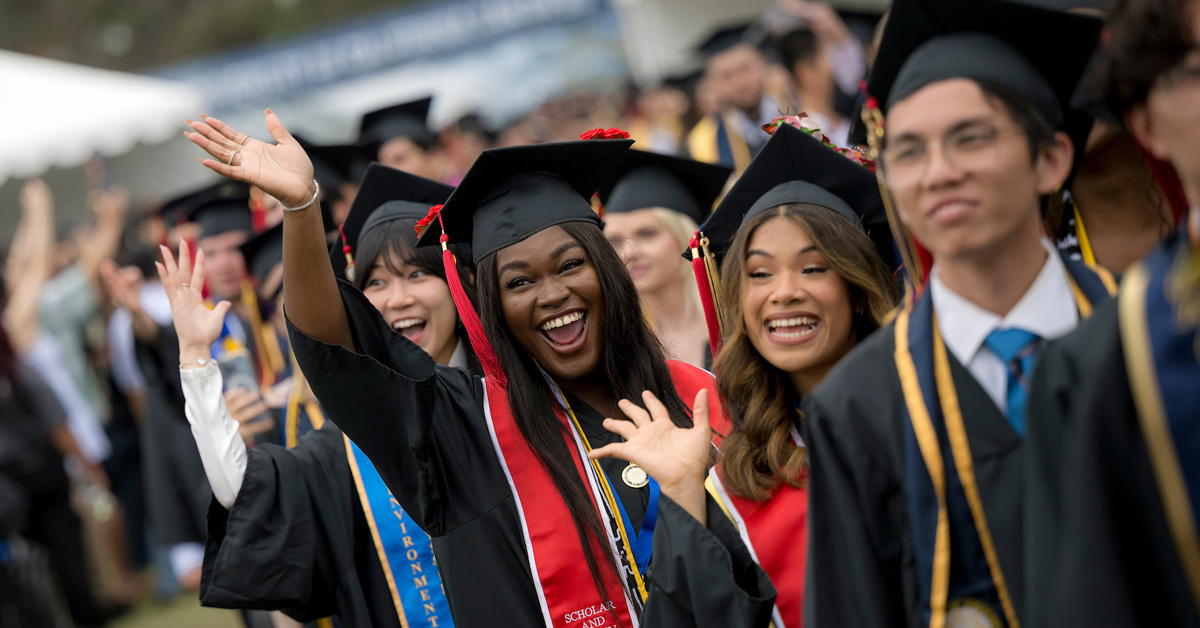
(634, 476)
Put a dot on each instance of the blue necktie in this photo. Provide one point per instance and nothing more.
(1018, 349)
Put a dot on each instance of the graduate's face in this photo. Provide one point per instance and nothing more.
(795, 308)
(986, 194)
(552, 302)
(1168, 123)
(650, 252)
(737, 75)
(402, 153)
(224, 266)
(416, 303)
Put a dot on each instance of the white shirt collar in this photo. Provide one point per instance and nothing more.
(1047, 309)
(458, 359)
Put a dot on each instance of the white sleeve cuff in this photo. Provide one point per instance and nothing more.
(216, 432)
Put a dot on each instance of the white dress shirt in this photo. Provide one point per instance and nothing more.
(1047, 309)
(222, 450)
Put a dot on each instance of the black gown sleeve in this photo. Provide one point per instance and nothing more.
(1098, 548)
(857, 521)
(422, 425)
(287, 542)
(704, 577)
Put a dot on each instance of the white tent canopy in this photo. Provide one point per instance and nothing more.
(59, 114)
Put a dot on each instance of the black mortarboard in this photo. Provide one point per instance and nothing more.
(403, 120)
(793, 167)
(217, 208)
(642, 180)
(1038, 52)
(512, 193)
(724, 38)
(264, 252)
(332, 163)
(386, 194)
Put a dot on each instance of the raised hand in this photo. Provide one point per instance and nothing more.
(36, 198)
(197, 326)
(676, 457)
(282, 170)
(124, 284)
(245, 407)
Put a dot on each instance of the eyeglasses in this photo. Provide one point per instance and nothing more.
(966, 149)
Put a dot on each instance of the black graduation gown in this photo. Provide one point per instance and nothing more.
(177, 490)
(1099, 551)
(296, 539)
(423, 427)
(861, 565)
(704, 577)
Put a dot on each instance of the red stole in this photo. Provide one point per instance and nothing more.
(776, 532)
(565, 589)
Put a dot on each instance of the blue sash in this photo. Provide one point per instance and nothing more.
(405, 551)
(958, 572)
(1159, 317)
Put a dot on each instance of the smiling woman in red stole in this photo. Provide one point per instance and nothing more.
(527, 530)
(802, 284)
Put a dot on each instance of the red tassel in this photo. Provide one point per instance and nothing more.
(470, 318)
(1168, 182)
(706, 296)
(349, 273)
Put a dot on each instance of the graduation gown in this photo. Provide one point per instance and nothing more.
(1100, 551)
(704, 577)
(424, 428)
(861, 565)
(177, 491)
(297, 540)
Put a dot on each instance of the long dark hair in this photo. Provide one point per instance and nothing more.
(759, 453)
(632, 362)
(392, 244)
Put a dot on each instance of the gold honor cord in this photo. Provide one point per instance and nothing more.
(963, 462)
(270, 356)
(873, 118)
(714, 281)
(610, 498)
(1147, 397)
(931, 452)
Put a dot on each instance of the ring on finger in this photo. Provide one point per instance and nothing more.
(244, 138)
(186, 284)
(230, 162)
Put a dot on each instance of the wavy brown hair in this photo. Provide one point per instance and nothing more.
(759, 452)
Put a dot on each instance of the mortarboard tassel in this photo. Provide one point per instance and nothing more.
(466, 309)
(349, 257)
(704, 283)
(916, 260)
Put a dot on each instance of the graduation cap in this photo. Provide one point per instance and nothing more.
(514, 192)
(333, 163)
(794, 167)
(403, 120)
(386, 194)
(264, 252)
(217, 208)
(643, 180)
(727, 36)
(1038, 52)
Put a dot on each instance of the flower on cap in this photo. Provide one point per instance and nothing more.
(802, 122)
(810, 126)
(424, 223)
(605, 134)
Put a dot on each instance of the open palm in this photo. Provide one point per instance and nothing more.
(196, 324)
(282, 170)
(670, 454)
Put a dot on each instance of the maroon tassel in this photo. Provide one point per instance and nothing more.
(700, 270)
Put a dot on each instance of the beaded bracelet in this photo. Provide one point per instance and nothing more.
(306, 205)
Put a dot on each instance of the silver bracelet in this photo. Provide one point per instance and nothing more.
(306, 205)
(201, 362)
